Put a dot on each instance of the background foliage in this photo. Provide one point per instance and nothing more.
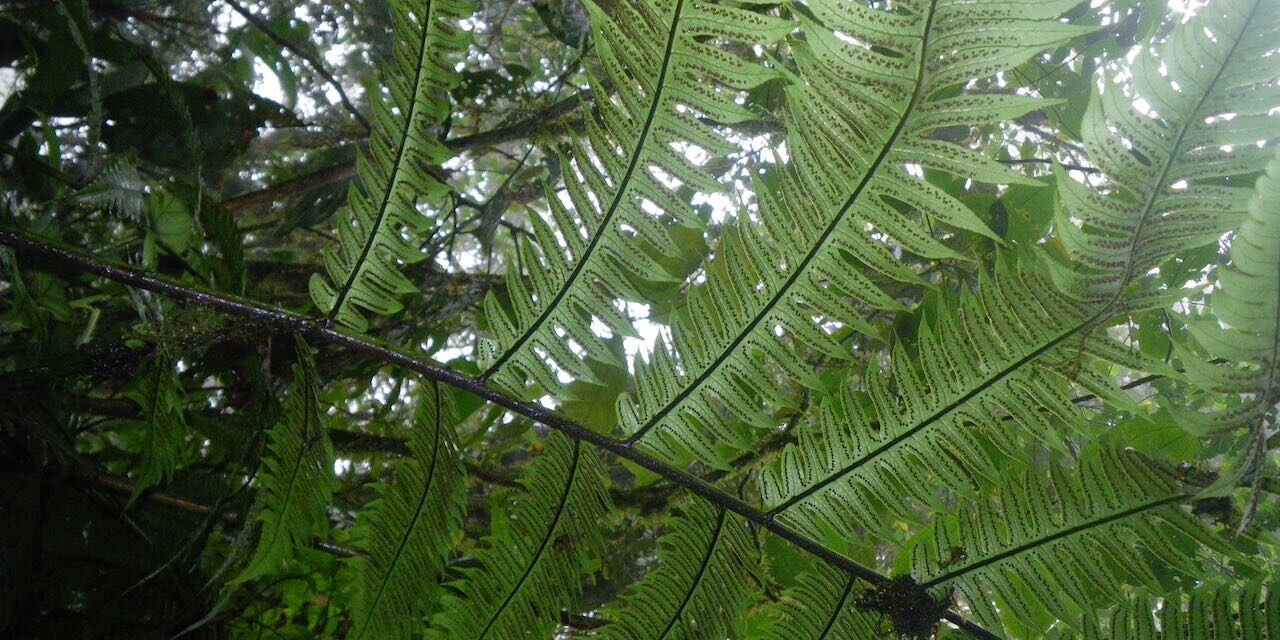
(740, 319)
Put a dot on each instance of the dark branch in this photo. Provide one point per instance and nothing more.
(266, 29)
(1068, 167)
(529, 126)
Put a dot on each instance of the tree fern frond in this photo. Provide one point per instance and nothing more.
(381, 225)
(977, 383)
(1248, 612)
(661, 75)
(822, 607)
(862, 113)
(297, 476)
(1065, 546)
(1175, 167)
(702, 582)
(411, 527)
(530, 567)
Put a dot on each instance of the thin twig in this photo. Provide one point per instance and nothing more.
(1068, 167)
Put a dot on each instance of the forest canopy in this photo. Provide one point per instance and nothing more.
(639, 319)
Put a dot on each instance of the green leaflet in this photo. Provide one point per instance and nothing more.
(1207, 115)
(530, 567)
(855, 118)
(702, 582)
(661, 76)
(411, 528)
(1062, 547)
(381, 226)
(118, 188)
(296, 481)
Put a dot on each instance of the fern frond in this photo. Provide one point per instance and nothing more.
(861, 113)
(1064, 547)
(1248, 612)
(160, 397)
(296, 481)
(702, 582)
(1173, 168)
(821, 607)
(1246, 387)
(411, 527)
(119, 189)
(530, 567)
(381, 226)
(661, 77)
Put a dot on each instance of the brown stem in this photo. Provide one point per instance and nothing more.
(126, 487)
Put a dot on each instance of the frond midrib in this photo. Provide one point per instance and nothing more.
(1147, 209)
(697, 578)
(571, 478)
(818, 245)
(371, 238)
(309, 414)
(1065, 533)
(417, 513)
(623, 186)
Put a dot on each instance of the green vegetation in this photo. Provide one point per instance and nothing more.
(639, 319)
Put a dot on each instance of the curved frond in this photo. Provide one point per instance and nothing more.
(701, 584)
(530, 567)
(297, 476)
(873, 91)
(411, 528)
(1065, 546)
(1247, 298)
(662, 79)
(381, 226)
(1208, 93)
(159, 396)
(822, 607)
(1244, 333)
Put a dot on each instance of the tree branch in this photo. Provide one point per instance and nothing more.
(520, 129)
(320, 330)
(347, 170)
(126, 487)
(292, 187)
(266, 29)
